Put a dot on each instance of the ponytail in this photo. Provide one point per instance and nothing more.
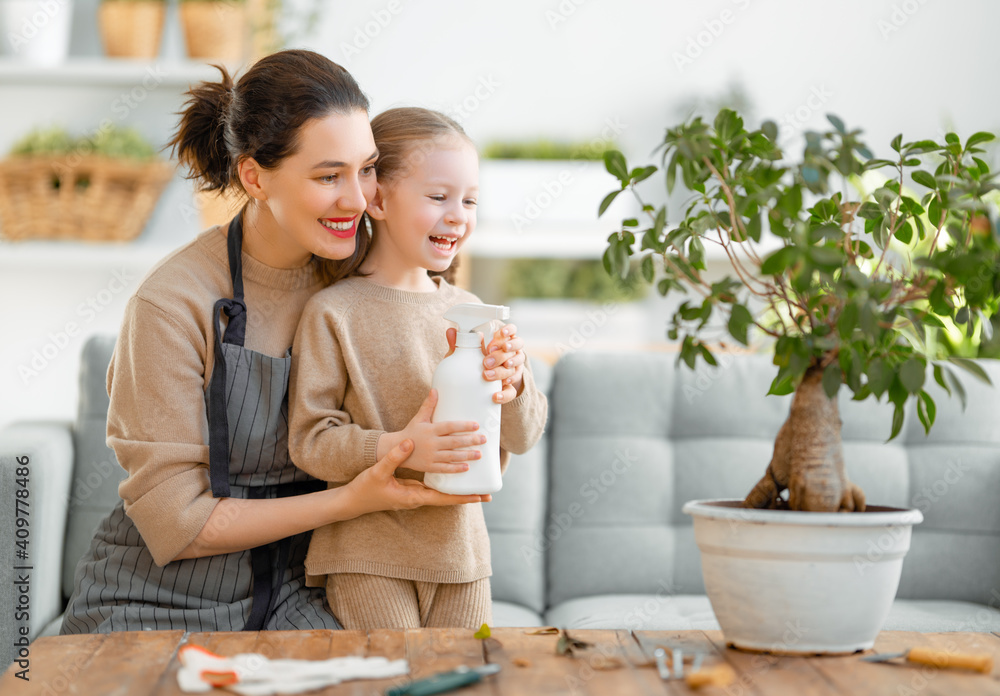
(200, 140)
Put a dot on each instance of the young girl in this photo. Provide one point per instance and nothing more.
(363, 358)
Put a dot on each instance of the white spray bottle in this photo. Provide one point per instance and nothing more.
(463, 395)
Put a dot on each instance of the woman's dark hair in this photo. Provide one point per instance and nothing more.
(260, 116)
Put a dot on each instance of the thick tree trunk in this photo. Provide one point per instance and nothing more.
(808, 458)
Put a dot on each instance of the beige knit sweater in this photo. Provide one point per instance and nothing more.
(157, 423)
(362, 363)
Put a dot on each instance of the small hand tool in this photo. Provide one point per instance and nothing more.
(979, 662)
(716, 675)
(445, 681)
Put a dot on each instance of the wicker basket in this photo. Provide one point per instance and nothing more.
(94, 199)
(131, 29)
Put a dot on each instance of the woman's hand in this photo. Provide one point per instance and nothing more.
(439, 448)
(377, 488)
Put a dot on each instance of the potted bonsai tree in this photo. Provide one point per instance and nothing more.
(863, 276)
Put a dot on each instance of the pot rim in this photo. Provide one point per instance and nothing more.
(732, 509)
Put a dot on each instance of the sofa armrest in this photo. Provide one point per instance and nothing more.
(45, 450)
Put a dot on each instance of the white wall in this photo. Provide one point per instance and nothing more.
(562, 69)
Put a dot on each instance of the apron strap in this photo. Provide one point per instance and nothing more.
(235, 333)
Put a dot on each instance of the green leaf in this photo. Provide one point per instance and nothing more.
(754, 227)
(648, 270)
(660, 222)
(847, 321)
(832, 378)
(837, 123)
(781, 386)
(869, 211)
(905, 233)
(956, 385)
(924, 178)
(939, 378)
(483, 633)
(770, 130)
(608, 200)
(642, 173)
(614, 162)
(739, 322)
(826, 258)
(707, 355)
(980, 137)
(879, 377)
(776, 263)
(897, 142)
(934, 212)
(952, 138)
(912, 374)
(897, 421)
(972, 367)
(926, 410)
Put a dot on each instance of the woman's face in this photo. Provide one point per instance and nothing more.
(316, 196)
(430, 211)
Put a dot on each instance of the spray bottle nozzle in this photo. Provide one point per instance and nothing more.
(471, 318)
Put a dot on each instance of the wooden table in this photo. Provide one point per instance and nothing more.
(145, 663)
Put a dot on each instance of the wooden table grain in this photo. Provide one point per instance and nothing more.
(618, 662)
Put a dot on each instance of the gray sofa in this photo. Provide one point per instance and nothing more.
(588, 531)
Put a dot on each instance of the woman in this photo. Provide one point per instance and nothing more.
(212, 528)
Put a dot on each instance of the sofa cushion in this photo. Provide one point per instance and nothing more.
(96, 472)
(636, 612)
(511, 614)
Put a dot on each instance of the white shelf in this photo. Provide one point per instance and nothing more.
(56, 255)
(112, 72)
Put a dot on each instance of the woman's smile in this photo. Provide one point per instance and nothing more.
(344, 228)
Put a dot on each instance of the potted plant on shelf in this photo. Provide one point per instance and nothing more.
(215, 29)
(867, 273)
(101, 188)
(131, 28)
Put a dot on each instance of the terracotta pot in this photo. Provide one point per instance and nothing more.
(131, 29)
(214, 30)
(795, 583)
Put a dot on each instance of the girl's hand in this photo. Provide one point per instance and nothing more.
(439, 447)
(505, 362)
(377, 488)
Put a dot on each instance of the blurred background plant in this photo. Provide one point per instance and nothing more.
(114, 142)
(545, 150)
(571, 279)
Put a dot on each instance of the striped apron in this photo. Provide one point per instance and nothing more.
(118, 587)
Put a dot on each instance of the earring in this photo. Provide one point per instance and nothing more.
(368, 225)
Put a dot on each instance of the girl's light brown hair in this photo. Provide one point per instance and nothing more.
(404, 136)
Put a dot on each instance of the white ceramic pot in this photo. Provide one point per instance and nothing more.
(800, 582)
(36, 31)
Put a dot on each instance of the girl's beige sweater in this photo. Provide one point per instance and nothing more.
(362, 363)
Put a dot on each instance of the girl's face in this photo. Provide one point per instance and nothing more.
(317, 195)
(430, 210)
